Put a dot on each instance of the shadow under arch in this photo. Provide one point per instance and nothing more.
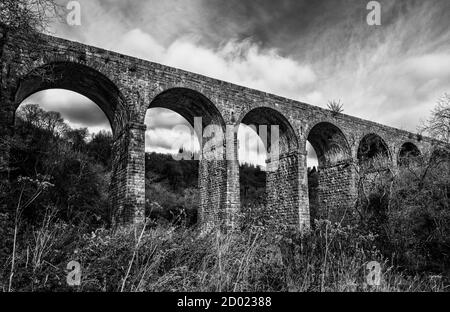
(409, 152)
(331, 185)
(372, 146)
(81, 79)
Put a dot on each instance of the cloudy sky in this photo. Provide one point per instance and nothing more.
(311, 51)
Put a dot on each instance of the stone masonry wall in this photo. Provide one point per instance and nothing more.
(336, 193)
(128, 176)
(283, 189)
(212, 184)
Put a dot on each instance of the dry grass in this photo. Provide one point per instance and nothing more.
(330, 258)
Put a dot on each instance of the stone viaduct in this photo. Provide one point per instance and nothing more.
(125, 87)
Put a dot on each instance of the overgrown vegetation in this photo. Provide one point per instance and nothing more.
(164, 258)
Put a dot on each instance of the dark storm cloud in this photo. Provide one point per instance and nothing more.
(293, 26)
(268, 22)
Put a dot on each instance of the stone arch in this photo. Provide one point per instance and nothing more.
(333, 188)
(372, 148)
(81, 79)
(375, 171)
(268, 116)
(330, 143)
(217, 206)
(189, 103)
(126, 194)
(284, 166)
(408, 152)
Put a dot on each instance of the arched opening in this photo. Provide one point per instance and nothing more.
(62, 150)
(408, 155)
(373, 153)
(279, 137)
(98, 89)
(329, 181)
(182, 184)
(374, 181)
(269, 143)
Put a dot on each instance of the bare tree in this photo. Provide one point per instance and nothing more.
(33, 115)
(53, 122)
(27, 16)
(30, 114)
(438, 126)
